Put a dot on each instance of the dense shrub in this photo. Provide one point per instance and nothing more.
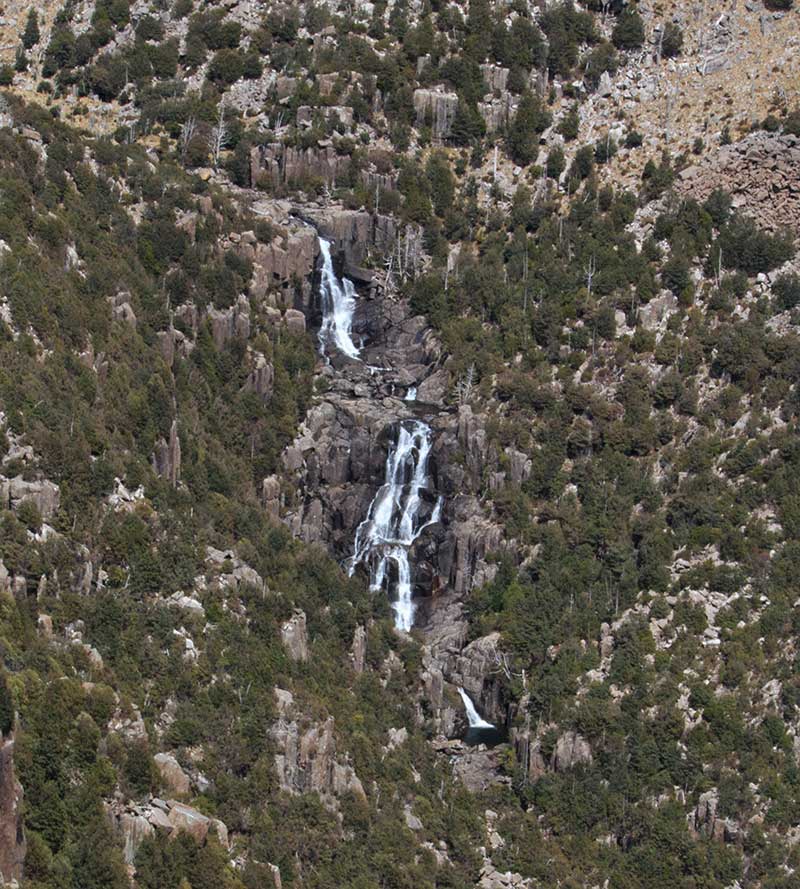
(749, 249)
(787, 292)
(227, 66)
(671, 41)
(628, 32)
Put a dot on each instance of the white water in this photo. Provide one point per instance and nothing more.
(411, 395)
(338, 305)
(473, 716)
(393, 522)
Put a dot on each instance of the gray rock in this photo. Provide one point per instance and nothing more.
(294, 636)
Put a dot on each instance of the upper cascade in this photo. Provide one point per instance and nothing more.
(394, 520)
(338, 299)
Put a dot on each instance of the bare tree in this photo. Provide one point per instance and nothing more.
(188, 132)
(219, 136)
(466, 386)
(590, 271)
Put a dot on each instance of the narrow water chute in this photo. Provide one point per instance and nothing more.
(474, 718)
(338, 303)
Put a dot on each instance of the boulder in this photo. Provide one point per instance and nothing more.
(172, 775)
(295, 321)
(185, 819)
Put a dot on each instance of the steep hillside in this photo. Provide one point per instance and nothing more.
(399, 445)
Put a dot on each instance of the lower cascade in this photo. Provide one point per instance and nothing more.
(338, 299)
(395, 520)
(473, 716)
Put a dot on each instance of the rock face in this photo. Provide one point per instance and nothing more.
(282, 267)
(357, 236)
(167, 456)
(571, 749)
(306, 761)
(437, 108)
(284, 164)
(281, 164)
(761, 173)
(44, 493)
(294, 636)
(12, 837)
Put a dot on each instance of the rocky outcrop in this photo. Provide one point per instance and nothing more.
(230, 323)
(571, 749)
(358, 650)
(479, 769)
(283, 164)
(283, 267)
(12, 836)
(167, 457)
(43, 493)
(294, 636)
(761, 173)
(261, 378)
(135, 822)
(358, 237)
(436, 108)
(306, 758)
(271, 495)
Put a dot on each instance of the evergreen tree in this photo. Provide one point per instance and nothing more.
(628, 33)
(523, 136)
(31, 35)
(20, 59)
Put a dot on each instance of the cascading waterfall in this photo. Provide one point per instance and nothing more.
(473, 716)
(338, 299)
(411, 395)
(393, 521)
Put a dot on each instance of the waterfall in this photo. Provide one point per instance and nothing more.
(411, 395)
(393, 521)
(338, 300)
(473, 716)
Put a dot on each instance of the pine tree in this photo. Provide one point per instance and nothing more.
(20, 59)
(30, 36)
(523, 136)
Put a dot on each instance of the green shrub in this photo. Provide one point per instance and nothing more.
(628, 32)
(787, 292)
(749, 249)
(226, 67)
(31, 35)
(6, 705)
(523, 136)
(672, 41)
